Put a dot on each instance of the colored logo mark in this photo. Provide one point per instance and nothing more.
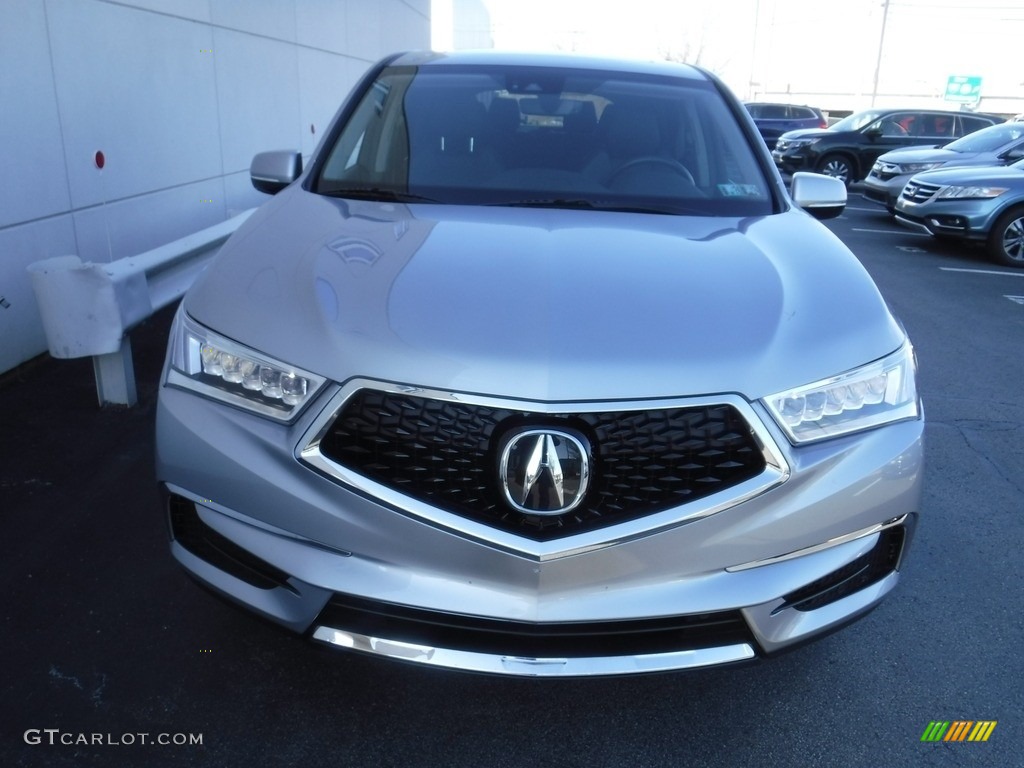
(959, 730)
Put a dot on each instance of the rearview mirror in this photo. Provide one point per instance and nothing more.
(271, 172)
(824, 197)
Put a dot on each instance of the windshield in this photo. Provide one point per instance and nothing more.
(496, 135)
(856, 121)
(988, 139)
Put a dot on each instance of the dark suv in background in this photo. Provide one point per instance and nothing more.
(848, 149)
(773, 120)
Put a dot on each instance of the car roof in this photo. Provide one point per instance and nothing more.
(555, 60)
(933, 111)
(777, 104)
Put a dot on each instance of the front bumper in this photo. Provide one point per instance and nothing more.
(970, 220)
(264, 530)
(884, 191)
(791, 162)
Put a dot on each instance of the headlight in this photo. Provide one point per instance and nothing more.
(212, 365)
(964, 192)
(878, 393)
(916, 167)
(800, 143)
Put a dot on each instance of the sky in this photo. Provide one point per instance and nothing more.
(776, 47)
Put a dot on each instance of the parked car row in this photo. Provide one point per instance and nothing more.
(984, 205)
(954, 175)
(848, 149)
(971, 189)
(996, 145)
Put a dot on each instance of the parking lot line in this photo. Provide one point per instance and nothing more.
(983, 271)
(890, 231)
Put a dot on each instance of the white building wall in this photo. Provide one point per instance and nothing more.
(178, 95)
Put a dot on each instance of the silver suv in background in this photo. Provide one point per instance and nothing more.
(972, 205)
(996, 145)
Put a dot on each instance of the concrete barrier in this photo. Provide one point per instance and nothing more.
(88, 309)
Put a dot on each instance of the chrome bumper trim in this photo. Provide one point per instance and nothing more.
(819, 547)
(915, 225)
(523, 666)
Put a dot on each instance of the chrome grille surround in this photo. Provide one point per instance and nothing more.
(885, 171)
(776, 471)
(918, 192)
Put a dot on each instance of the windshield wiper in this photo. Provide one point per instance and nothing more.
(549, 202)
(379, 194)
(594, 205)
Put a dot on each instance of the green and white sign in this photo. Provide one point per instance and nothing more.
(963, 89)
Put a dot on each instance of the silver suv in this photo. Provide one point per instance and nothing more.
(538, 369)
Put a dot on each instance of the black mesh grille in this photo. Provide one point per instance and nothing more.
(520, 638)
(445, 454)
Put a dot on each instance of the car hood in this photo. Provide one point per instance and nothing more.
(998, 174)
(809, 133)
(544, 304)
(921, 155)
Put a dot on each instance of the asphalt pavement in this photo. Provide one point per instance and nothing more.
(82, 556)
(113, 657)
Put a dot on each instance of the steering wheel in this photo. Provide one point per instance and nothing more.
(674, 165)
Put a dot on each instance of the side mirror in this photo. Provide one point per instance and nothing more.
(271, 172)
(874, 134)
(1013, 155)
(824, 197)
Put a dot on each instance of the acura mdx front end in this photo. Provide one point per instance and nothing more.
(538, 369)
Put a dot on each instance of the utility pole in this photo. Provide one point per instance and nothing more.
(881, 45)
(751, 93)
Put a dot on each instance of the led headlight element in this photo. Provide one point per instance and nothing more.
(798, 143)
(212, 365)
(878, 393)
(960, 193)
(916, 167)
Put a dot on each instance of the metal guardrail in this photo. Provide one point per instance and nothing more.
(88, 309)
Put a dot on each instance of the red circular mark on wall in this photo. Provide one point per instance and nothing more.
(99, 159)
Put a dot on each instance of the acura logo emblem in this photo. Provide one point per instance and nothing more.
(545, 471)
